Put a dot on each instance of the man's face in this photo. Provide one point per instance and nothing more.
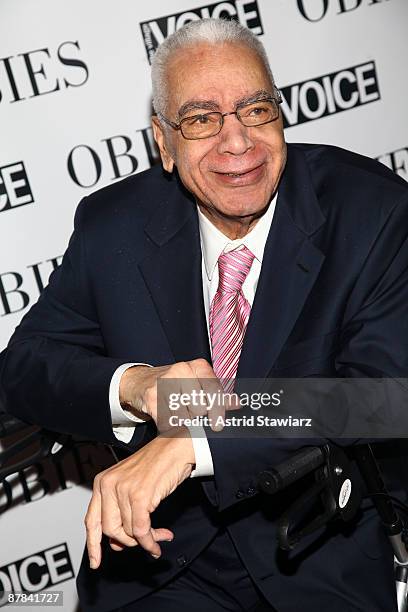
(233, 174)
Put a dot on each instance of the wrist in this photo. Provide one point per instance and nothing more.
(128, 387)
(184, 445)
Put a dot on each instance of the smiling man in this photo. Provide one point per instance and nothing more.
(217, 96)
(244, 258)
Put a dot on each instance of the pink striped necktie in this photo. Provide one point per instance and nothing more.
(229, 314)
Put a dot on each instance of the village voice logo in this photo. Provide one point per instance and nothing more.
(329, 94)
(155, 31)
(15, 188)
(36, 572)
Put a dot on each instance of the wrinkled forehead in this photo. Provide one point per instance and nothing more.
(221, 73)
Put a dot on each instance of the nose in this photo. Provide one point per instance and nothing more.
(234, 137)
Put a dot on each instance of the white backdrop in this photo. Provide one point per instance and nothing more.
(74, 116)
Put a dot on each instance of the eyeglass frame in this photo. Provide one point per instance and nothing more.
(178, 126)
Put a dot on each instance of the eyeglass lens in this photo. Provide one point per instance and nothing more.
(209, 124)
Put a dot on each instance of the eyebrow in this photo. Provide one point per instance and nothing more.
(212, 105)
(260, 94)
(196, 105)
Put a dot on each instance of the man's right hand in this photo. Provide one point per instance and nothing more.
(140, 393)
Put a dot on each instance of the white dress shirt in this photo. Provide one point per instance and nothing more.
(213, 243)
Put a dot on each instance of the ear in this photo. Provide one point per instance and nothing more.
(158, 133)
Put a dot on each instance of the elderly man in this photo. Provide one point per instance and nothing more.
(258, 258)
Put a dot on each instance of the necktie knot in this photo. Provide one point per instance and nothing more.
(233, 268)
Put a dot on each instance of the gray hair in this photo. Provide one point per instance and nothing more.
(202, 31)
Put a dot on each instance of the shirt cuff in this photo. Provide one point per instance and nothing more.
(123, 421)
(203, 458)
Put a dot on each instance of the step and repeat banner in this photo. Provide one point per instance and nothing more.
(75, 116)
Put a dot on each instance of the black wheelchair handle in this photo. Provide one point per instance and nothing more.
(298, 465)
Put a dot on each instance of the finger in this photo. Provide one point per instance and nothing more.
(211, 384)
(142, 531)
(216, 399)
(126, 514)
(235, 403)
(162, 535)
(159, 535)
(111, 515)
(192, 388)
(115, 545)
(94, 529)
(124, 509)
(202, 369)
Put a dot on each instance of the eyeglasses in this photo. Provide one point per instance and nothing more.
(206, 125)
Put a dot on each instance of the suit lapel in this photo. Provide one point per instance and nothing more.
(290, 268)
(173, 274)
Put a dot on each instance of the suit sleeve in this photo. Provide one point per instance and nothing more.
(374, 343)
(55, 372)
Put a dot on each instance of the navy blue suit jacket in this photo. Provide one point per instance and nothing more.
(331, 301)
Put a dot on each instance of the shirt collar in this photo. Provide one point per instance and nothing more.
(214, 242)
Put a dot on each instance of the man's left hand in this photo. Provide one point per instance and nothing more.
(127, 493)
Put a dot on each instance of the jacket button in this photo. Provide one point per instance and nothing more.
(251, 491)
(239, 494)
(181, 560)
